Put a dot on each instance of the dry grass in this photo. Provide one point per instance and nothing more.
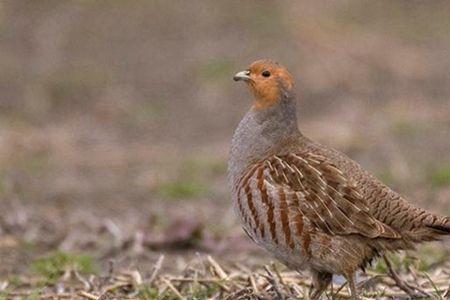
(205, 278)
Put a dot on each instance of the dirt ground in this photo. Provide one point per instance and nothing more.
(116, 117)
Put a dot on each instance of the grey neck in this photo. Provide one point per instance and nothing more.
(260, 132)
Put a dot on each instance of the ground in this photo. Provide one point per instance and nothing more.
(115, 125)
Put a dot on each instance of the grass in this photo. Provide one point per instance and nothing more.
(436, 289)
(441, 176)
(201, 292)
(401, 262)
(15, 281)
(192, 178)
(53, 266)
(181, 189)
(147, 292)
(203, 167)
(4, 294)
(430, 256)
(407, 129)
(204, 278)
(34, 295)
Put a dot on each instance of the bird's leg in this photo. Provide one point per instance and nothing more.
(320, 282)
(350, 276)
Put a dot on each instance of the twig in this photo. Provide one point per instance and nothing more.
(156, 269)
(277, 272)
(87, 295)
(199, 280)
(87, 285)
(115, 286)
(447, 293)
(217, 281)
(217, 268)
(110, 269)
(274, 283)
(253, 283)
(438, 292)
(297, 289)
(413, 292)
(114, 230)
(173, 289)
(339, 289)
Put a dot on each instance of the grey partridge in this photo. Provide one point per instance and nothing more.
(309, 205)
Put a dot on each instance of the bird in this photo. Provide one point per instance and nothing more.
(310, 205)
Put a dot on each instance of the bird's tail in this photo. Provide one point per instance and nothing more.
(416, 225)
(419, 225)
(441, 225)
(432, 228)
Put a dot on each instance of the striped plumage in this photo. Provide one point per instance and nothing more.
(310, 205)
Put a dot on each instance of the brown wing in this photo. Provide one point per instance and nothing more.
(326, 196)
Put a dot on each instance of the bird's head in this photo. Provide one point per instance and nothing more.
(269, 82)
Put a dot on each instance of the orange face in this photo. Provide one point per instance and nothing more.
(267, 80)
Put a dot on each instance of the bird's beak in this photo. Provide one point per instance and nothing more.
(243, 75)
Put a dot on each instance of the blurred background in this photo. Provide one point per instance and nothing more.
(116, 116)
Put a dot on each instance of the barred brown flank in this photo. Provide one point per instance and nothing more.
(268, 203)
(251, 206)
(244, 181)
(241, 209)
(306, 242)
(285, 219)
(298, 216)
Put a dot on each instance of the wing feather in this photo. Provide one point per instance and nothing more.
(329, 199)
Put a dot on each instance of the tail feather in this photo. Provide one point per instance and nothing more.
(445, 230)
(430, 228)
(440, 226)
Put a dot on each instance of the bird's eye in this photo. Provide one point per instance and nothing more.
(265, 73)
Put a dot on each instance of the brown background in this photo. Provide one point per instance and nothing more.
(116, 116)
